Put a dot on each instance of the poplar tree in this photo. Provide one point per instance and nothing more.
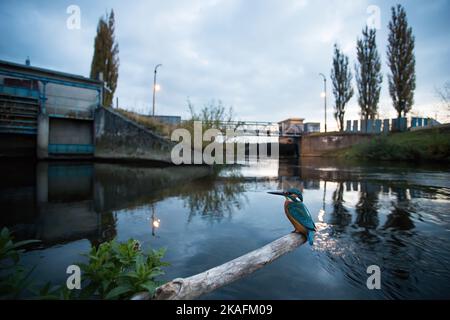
(106, 56)
(341, 77)
(368, 74)
(401, 61)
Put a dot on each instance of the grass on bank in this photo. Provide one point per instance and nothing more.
(212, 115)
(154, 125)
(423, 145)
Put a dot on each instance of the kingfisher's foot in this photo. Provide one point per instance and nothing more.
(295, 231)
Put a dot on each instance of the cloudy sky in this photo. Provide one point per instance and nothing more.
(261, 57)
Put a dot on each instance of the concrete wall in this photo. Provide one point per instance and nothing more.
(318, 145)
(68, 131)
(288, 146)
(119, 138)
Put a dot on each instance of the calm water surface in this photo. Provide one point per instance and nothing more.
(396, 217)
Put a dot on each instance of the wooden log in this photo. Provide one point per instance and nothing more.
(212, 279)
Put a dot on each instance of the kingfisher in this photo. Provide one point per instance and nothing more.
(297, 213)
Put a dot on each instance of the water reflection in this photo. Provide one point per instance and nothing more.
(387, 231)
(215, 200)
(400, 216)
(156, 222)
(394, 217)
(367, 214)
(66, 202)
(340, 216)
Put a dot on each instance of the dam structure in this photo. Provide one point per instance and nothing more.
(47, 114)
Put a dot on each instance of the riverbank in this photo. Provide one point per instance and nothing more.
(424, 145)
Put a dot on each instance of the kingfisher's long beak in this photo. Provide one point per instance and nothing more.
(278, 193)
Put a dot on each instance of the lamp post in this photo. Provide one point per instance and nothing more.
(154, 86)
(324, 95)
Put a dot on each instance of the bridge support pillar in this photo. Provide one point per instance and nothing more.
(42, 136)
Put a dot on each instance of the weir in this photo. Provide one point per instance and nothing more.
(46, 114)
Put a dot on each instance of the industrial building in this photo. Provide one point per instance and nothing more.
(46, 113)
(296, 127)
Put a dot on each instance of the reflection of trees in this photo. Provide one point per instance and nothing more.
(215, 199)
(107, 229)
(367, 207)
(340, 217)
(399, 218)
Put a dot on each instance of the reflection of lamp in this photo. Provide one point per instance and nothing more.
(155, 222)
(321, 225)
(322, 211)
(321, 215)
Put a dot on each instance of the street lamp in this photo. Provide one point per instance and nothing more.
(154, 87)
(324, 95)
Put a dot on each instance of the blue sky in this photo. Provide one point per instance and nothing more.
(261, 57)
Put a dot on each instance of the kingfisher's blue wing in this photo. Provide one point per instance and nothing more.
(301, 213)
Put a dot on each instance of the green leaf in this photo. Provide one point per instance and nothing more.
(156, 273)
(150, 286)
(24, 243)
(132, 274)
(116, 292)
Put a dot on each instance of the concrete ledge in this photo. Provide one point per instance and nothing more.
(318, 145)
(119, 138)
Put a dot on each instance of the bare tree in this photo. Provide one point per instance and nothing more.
(444, 95)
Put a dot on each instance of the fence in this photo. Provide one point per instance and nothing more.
(388, 125)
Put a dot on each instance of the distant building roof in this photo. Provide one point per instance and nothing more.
(31, 70)
(292, 120)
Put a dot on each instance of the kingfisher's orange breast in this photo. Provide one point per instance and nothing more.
(298, 227)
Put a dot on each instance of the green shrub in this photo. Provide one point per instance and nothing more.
(114, 271)
(120, 270)
(14, 279)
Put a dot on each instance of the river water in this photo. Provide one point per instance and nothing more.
(395, 217)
